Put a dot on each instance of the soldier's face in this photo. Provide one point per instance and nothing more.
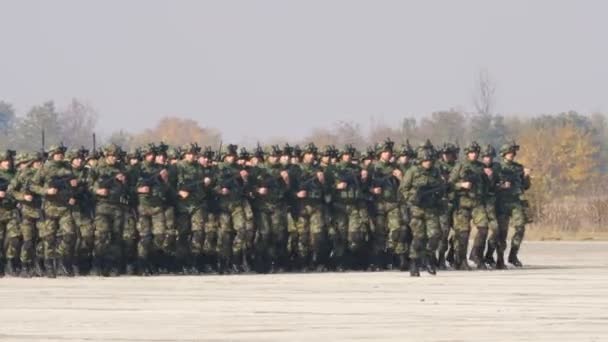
(133, 161)
(229, 159)
(77, 162)
(510, 156)
(346, 158)
(92, 162)
(385, 156)
(37, 164)
(161, 159)
(111, 159)
(5, 164)
(403, 160)
(189, 157)
(309, 158)
(150, 157)
(58, 156)
(472, 155)
(487, 160)
(272, 159)
(448, 157)
(427, 164)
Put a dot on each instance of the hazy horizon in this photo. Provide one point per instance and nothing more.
(274, 68)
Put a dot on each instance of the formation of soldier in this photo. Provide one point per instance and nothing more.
(158, 210)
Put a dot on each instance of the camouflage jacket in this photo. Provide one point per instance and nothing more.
(54, 174)
(20, 187)
(104, 177)
(423, 188)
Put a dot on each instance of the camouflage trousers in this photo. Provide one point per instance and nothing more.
(129, 235)
(169, 246)
(85, 236)
(426, 231)
(348, 227)
(388, 230)
(190, 233)
(29, 227)
(446, 222)
(463, 217)
(231, 223)
(245, 234)
(510, 213)
(308, 232)
(271, 234)
(10, 235)
(151, 228)
(57, 233)
(108, 236)
(211, 231)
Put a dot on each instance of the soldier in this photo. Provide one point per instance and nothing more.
(515, 180)
(405, 161)
(57, 184)
(389, 231)
(29, 208)
(190, 210)
(230, 190)
(211, 213)
(109, 183)
(424, 189)
(491, 177)
(10, 235)
(166, 256)
(82, 213)
(350, 215)
(467, 179)
(151, 190)
(244, 241)
(129, 204)
(449, 156)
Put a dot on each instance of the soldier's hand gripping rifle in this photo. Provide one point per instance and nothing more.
(429, 196)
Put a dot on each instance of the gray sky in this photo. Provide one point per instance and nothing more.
(279, 68)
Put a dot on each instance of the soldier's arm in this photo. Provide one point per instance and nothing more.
(38, 180)
(454, 178)
(15, 188)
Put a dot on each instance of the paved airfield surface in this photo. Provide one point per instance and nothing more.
(561, 295)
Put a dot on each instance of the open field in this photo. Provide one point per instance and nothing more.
(561, 296)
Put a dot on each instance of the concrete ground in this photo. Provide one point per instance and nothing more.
(561, 295)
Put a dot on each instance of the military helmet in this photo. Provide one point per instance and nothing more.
(275, 151)
(23, 158)
(148, 149)
(511, 147)
(387, 146)
(191, 148)
(426, 154)
(259, 152)
(72, 154)
(488, 151)
(208, 153)
(57, 149)
(287, 150)
(449, 148)
(232, 150)
(134, 154)
(111, 150)
(162, 148)
(330, 151)
(311, 148)
(472, 147)
(350, 150)
(407, 150)
(297, 151)
(244, 154)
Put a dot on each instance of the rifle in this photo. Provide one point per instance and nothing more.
(3, 187)
(429, 196)
(313, 187)
(218, 156)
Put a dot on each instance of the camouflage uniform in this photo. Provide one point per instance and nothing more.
(191, 211)
(58, 231)
(151, 224)
(470, 206)
(424, 189)
(511, 205)
(446, 221)
(109, 211)
(10, 235)
(211, 215)
(83, 214)
(29, 210)
(388, 233)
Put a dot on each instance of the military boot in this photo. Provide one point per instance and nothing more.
(513, 260)
(65, 268)
(414, 272)
(430, 263)
(245, 263)
(404, 262)
(500, 261)
(11, 267)
(131, 268)
(26, 270)
(489, 258)
(49, 268)
(96, 267)
(441, 262)
(39, 270)
(1, 268)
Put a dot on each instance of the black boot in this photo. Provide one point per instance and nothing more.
(414, 272)
(513, 260)
(49, 268)
(39, 270)
(11, 268)
(96, 267)
(245, 263)
(27, 270)
(404, 262)
(1, 268)
(430, 263)
(143, 267)
(441, 262)
(489, 258)
(500, 261)
(131, 269)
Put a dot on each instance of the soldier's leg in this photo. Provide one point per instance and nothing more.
(518, 220)
(396, 236)
(248, 248)
(168, 250)
(210, 246)
(184, 240)
(417, 226)
(114, 257)
(225, 241)
(492, 235)
(278, 225)
(85, 243)
(28, 231)
(462, 229)
(355, 236)
(240, 243)
(338, 234)
(318, 234)
(433, 233)
(378, 239)
(442, 248)
(480, 220)
(13, 246)
(102, 234)
(66, 237)
(145, 245)
(292, 240)
(264, 248)
(129, 242)
(303, 247)
(159, 233)
(48, 236)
